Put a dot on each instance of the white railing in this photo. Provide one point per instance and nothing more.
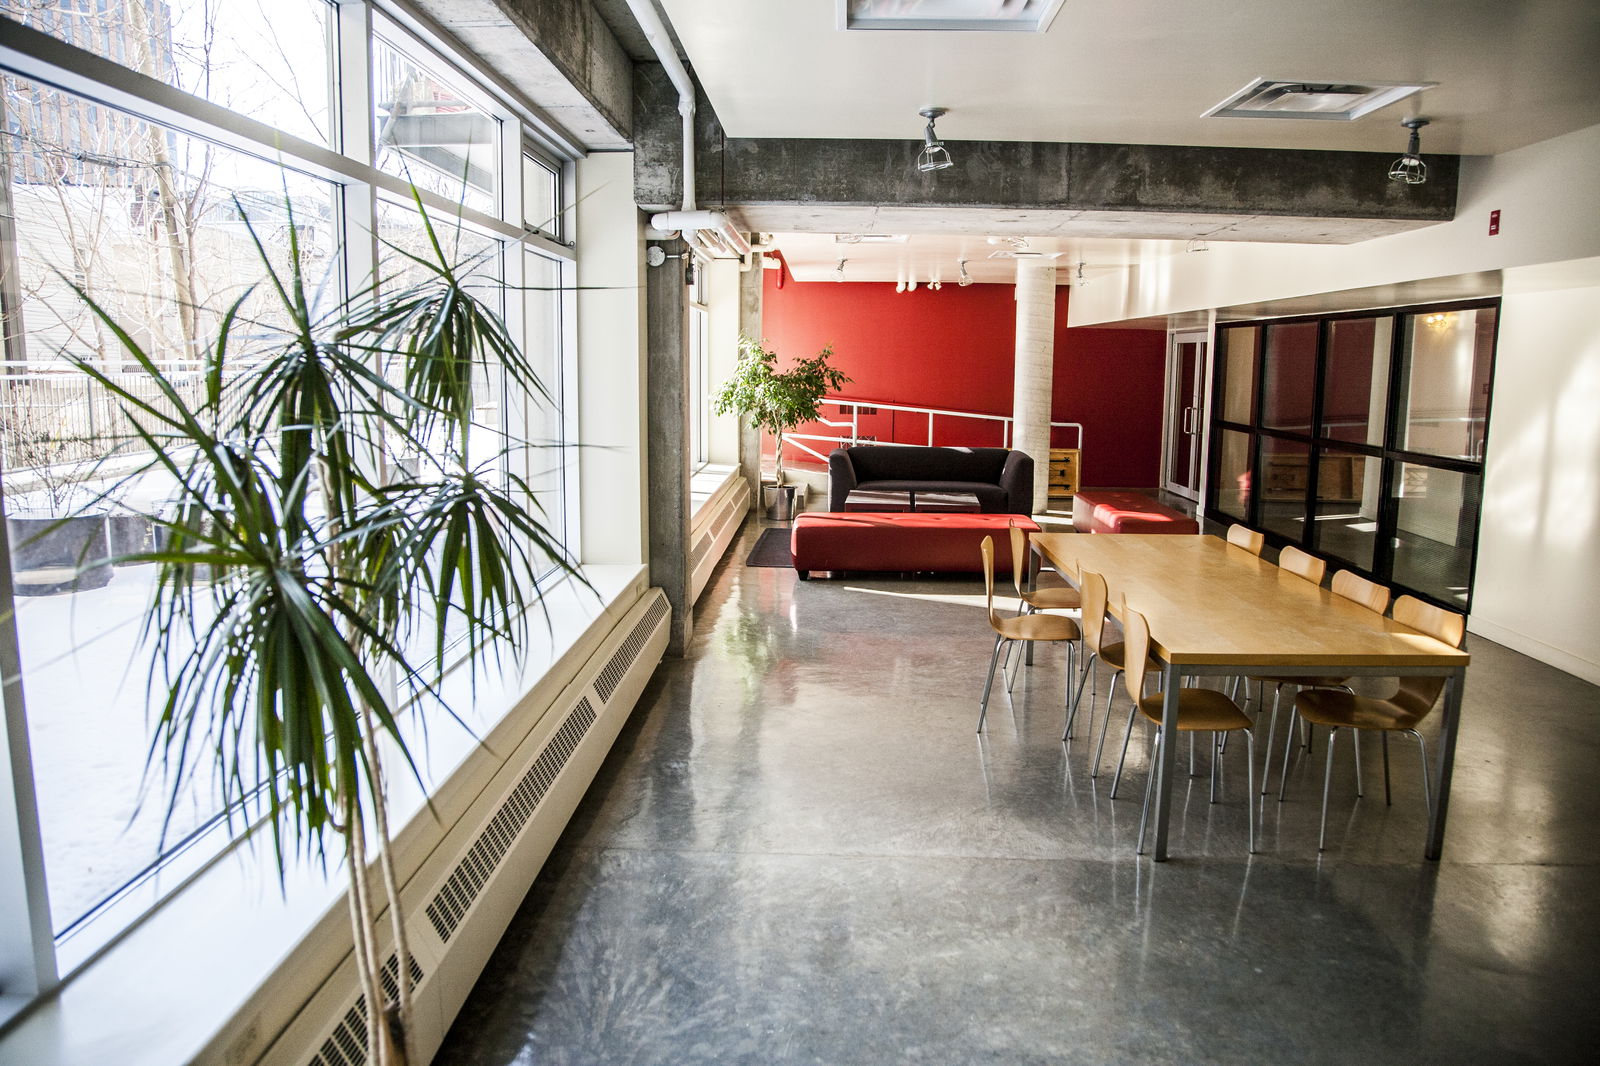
(854, 426)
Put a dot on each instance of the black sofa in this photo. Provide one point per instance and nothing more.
(1002, 479)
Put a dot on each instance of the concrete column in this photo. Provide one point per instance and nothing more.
(667, 436)
(750, 289)
(1035, 362)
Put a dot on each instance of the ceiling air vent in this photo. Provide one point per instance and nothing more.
(1013, 16)
(1022, 253)
(1322, 100)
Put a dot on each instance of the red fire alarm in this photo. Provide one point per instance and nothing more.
(1494, 223)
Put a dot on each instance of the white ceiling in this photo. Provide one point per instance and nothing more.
(1509, 73)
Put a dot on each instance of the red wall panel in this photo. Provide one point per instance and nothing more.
(953, 348)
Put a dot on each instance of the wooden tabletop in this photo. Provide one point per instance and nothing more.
(1209, 602)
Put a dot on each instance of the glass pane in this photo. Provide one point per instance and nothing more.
(428, 134)
(143, 218)
(1285, 481)
(1435, 529)
(1348, 488)
(546, 455)
(1289, 384)
(1233, 474)
(1355, 383)
(1238, 373)
(541, 196)
(268, 60)
(1446, 382)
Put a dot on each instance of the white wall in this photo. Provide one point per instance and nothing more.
(1538, 579)
(611, 367)
(1544, 192)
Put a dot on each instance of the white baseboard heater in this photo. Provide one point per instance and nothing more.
(463, 896)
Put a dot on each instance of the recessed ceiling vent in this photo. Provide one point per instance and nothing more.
(1006, 16)
(1322, 100)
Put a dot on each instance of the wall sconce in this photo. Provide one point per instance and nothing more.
(1409, 168)
(934, 155)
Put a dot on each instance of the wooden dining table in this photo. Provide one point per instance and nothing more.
(1216, 610)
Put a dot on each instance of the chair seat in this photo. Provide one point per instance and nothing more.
(1054, 599)
(1199, 710)
(1113, 654)
(1038, 627)
(1341, 710)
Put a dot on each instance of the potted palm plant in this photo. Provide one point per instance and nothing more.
(307, 575)
(778, 401)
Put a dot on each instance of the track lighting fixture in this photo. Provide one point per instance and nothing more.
(963, 279)
(934, 155)
(838, 271)
(1410, 168)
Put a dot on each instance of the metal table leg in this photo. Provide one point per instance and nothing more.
(1454, 691)
(1167, 763)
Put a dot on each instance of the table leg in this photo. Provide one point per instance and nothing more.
(1453, 693)
(1167, 763)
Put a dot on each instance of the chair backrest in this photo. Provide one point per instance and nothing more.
(1419, 694)
(1248, 539)
(1019, 556)
(987, 547)
(1301, 564)
(1094, 599)
(1136, 646)
(1369, 594)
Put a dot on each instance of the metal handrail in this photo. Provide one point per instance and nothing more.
(854, 426)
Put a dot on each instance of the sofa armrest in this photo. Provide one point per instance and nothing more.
(841, 478)
(1016, 477)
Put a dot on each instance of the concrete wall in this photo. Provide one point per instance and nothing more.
(1544, 192)
(1538, 577)
(611, 383)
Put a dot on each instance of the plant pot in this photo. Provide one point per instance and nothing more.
(129, 534)
(779, 501)
(55, 555)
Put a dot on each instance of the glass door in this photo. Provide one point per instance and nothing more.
(1186, 360)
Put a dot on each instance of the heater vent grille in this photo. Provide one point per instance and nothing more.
(622, 660)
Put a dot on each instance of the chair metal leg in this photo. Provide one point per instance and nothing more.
(1216, 757)
(1427, 791)
(1388, 797)
(1077, 700)
(1126, 735)
(1011, 647)
(1072, 665)
(1327, 780)
(1250, 791)
(994, 660)
(1288, 746)
(1105, 726)
(1355, 742)
(1272, 731)
(1149, 783)
(1191, 754)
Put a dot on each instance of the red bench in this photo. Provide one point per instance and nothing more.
(943, 543)
(1100, 511)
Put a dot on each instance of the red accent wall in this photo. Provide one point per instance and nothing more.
(953, 348)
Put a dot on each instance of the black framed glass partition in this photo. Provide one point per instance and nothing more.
(1360, 437)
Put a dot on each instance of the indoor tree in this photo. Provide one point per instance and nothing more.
(774, 401)
(333, 517)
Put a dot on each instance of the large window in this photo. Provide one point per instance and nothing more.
(1360, 437)
(154, 213)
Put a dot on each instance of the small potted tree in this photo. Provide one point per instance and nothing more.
(777, 402)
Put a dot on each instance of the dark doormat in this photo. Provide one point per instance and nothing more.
(772, 549)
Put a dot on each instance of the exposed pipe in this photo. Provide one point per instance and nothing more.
(644, 13)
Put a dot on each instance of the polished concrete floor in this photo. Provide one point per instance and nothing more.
(800, 851)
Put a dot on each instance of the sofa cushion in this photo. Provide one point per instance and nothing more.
(991, 497)
(948, 543)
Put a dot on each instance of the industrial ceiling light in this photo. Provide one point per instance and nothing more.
(934, 155)
(964, 279)
(1410, 168)
(838, 271)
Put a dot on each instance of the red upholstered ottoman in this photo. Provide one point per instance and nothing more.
(945, 543)
(1098, 511)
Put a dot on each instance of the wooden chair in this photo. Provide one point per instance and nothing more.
(1302, 564)
(1053, 598)
(1357, 589)
(1095, 599)
(1024, 627)
(1202, 710)
(1248, 539)
(1402, 712)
